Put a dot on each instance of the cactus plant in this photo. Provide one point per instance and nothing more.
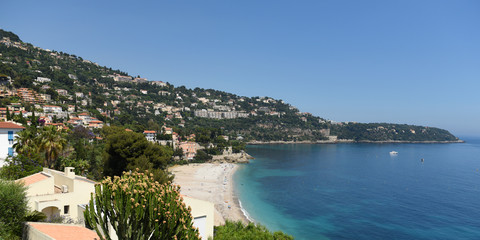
(137, 207)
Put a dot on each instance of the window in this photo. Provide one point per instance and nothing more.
(10, 137)
(66, 209)
(10, 151)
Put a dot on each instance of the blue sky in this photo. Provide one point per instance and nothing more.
(414, 62)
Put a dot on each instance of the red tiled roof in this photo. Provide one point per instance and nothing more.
(10, 125)
(37, 177)
(146, 131)
(65, 232)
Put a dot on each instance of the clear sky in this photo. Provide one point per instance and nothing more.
(414, 62)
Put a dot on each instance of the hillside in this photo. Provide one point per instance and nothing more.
(33, 78)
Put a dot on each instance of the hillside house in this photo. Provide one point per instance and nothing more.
(120, 78)
(52, 109)
(95, 124)
(75, 121)
(140, 80)
(150, 135)
(58, 193)
(62, 92)
(159, 83)
(167, 130)
(85, 118)
(8, 132)
(3, 114)
(43, 79)
(46, 97)
(189, 149)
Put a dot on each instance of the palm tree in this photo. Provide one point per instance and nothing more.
(52, 142)
(26, 143)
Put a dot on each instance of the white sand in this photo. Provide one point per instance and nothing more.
(211, 182)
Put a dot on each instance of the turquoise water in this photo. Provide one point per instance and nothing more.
(360, 191)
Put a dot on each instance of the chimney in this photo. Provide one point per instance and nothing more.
(69, 172)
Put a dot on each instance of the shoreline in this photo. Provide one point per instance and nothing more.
(348, 141)
(211, 182)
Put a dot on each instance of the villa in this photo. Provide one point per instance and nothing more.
(8, 132)
(58, 193)
(150, 135)
(189, 149)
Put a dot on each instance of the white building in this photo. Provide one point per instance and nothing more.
(140, 80)
(8, 132)
(58, 193)
(52, 109)
(159, 83)
(120, 78)
(150, 135)
(62, 92)
(203, 214)
(43, 79)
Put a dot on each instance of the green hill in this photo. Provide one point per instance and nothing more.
(114, 97)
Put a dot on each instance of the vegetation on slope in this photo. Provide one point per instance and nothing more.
(238, 231)
(134, 104)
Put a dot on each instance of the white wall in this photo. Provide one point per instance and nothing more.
(201, 209)
(41, 194)
(4, 144)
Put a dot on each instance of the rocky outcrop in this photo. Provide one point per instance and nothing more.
(242, 157)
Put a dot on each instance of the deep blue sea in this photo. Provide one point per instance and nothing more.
(360, 191)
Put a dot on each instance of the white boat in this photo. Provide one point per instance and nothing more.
(393, 153)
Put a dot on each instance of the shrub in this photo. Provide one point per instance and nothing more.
(35, 216)
(138, 207)
(13, 208)
(20, 166)
(238, 230)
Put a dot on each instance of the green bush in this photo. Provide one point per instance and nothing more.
(238, 230)
(202, 157)
(20, 166)
(35, 216)
(139, 208)
(13, 208)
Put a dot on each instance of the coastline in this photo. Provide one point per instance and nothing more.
(347, 141)
(211, 182)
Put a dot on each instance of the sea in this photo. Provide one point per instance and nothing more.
(361, 191)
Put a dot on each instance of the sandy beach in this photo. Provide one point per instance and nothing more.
(211, 182)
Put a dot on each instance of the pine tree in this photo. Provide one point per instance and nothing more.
(33, 119)
(8, 115)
